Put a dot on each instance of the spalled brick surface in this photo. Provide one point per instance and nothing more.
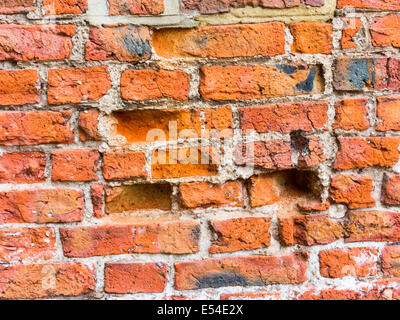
(200, 149)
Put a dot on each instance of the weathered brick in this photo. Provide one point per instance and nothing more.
(184, 162)
(388, 111)
(32, 281)
(373, 226)
(272, 154)
(138, 197)
(176, 237)
(16, 6)
(97, 197)
(351, 114)
(22, 167)
(88, 125)
(204, 194)
(357, 262)
(240, 234)
(310, 150)
(35, 42)
(352, 31)
(259, 81)
(140, 85)
(33, 244)
(391, 261)
(18, 87)
(355, 192)
(41, 206)
(242, 40)
(65, 6)
(150, 125)
(128, 43)
(312, 37)
(241, 271)
(75, 165)
(35, 127)
(330, 294)
(391, 190)
(135, 277)
(285, 117)
(124, 165)
(136, 7)
(251, 296)
(75, 85)
(385, 31)
(263, 190)
(360, 152)
(370, 4)
(309, 230)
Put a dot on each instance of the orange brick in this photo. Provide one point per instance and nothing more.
(65, 6)
(351, 114)
(385, 31)
(204, 194)
(388, 110)
(124, 165)
(75, 165)
(16, 6)
(351, 29)
(140, 85)
(136, 7)
(355, 192)
(22, 167)
(391, 261)
(370, 4)
(176, 237)
(135, 277)
(75, 85)
(242, 40)
(97, 197)
(41, 206)
(240, 234)
(18, 87)
(312, 37)
(88, 125)
(357, 262)
(263, 190)
(391, 190)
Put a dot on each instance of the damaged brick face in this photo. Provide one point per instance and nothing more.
(214, 149)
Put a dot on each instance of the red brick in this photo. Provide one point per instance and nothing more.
(263, 190)
(241, 271)
(309, 230)
(22, 167)
(373, 226)
(75, 85)
(97, 197)
(351, 30)
(35, 42)
(240, 234)
(285, 117)
(355, 192)
(370, 4)
(128, 43)
(16, 6)
(351, 114)
(35, 127)
(391, 261)
(140, 85)
(273, 154)
(88, 125)
(388, 111)
(33, 244)
(204, 194)
(391, 190)
(176, 237)
(310, 150)
(184, 162)
(138, 197)
(357, 262)
(312, 37)
(65, 6)
(360, 152)
(18, 87)
(124, 165)
(251, 296)
(330, 294)
(136, 7)
(385, 31)
(75, 165)
(41, 206)
(242, 40)
(34, 281)
(258, 81)
(135, 277)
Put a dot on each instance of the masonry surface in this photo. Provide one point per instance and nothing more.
(273, 167)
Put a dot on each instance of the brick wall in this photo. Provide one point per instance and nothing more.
(200, 149)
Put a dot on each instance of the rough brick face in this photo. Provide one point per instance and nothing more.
(351, 114)
(390, 261)
(388, 113)
(391, 190)
(18, 87)
(370, 4)
(352, 30)
(124, 165)
(266, 39)
(312, 37)
(136, 7)
(22, 167)
(16, 6)
(65, 6)
(88, 125)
